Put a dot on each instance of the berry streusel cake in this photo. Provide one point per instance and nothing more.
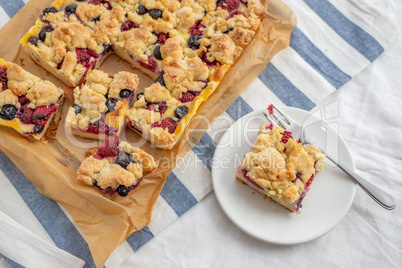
(279, 167)
(100, 104)
(63, 45)
(116, 167)
(27, 103)
(186, 45)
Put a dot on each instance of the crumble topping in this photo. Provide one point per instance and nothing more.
(43, 93)
(19, 80)
(8, 97)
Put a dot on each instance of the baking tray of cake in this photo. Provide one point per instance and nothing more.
(52, 166)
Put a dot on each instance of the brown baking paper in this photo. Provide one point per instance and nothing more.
(106, 220)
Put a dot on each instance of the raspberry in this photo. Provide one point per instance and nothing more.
(108, 148)
(98, 127)
(162, 107)
(42, 114)
(3, 78)
(151, 65)
(197, 28)
(23, 100)
(270, 109)
(27, 115)
(128, 25)
(229, 5)
(269, 126)
(101, 2)
(162, 37)
(233, 13)
(286, 136)
(189, 96)
(168, 123)
(84, 56)
(203, 57)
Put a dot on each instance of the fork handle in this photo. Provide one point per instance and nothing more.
(381, 197)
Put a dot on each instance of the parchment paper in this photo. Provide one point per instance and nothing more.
(107, 221)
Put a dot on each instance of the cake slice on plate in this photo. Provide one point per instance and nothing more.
(280, 167)
(100, 104)
(28, 104)
(116, 167)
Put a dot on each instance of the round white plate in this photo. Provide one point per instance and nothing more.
(327, 202)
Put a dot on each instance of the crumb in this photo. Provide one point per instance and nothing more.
(22, 62)
(273, 209)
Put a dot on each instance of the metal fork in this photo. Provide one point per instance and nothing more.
(284, 121)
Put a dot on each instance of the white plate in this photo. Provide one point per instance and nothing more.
(324, 206)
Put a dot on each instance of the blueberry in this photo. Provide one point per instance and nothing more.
(161, 80)
(157, 52)
(155, 13)
(139, 95)
(42, 33)
(142, 10)
(70, 9)
(96, 19)
(193, 42)
(33, 40)
(49, 10)
(123, 190)
(77, 108)
(111, 103)
(106, 48)
(123, 159)
(38, 128)
(125, 93)
(181, 112)
(8, 112)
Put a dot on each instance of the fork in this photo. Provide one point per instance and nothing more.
(284, 121)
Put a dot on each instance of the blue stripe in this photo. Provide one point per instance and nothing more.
(11, 7)
(179, 198)
(11, 262)
(313, 56)
(139, 238)
(205, 149)
(239, 108)
(288, 93)
(350, 32)
(49, 214)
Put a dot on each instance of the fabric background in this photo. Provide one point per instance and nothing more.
(333, 42)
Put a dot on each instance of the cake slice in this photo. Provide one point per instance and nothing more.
(63, 45)
(280, 167)
(100, 104)
(116, 167)
(27, 103)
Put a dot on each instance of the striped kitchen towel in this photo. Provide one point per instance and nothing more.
(334, 40)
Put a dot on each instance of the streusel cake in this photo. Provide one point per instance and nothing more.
(116, 167)
(280, 167)
(187, 46)
(100, 104)
(28, 104)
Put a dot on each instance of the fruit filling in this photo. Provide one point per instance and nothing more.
(3, 78)
(86, 57)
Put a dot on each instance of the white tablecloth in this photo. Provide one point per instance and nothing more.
(369, 236)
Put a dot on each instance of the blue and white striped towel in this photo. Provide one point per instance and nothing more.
(333, 41)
